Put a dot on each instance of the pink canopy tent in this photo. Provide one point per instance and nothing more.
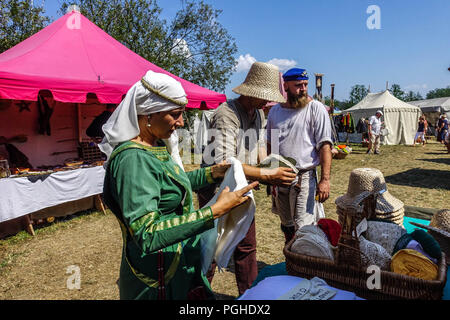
(73, 57)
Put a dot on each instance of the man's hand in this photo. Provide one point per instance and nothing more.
(323, 187)
(278, 176)
(218, 170)
(323, 190)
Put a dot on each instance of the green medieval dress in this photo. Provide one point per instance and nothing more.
(151, 197)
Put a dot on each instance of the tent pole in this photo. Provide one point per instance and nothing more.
(79, 122)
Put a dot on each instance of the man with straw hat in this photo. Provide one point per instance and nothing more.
(236, 131)
(304, 134)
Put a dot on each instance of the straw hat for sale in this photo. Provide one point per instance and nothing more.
(369, 180)
(439, 228)
(262, 82)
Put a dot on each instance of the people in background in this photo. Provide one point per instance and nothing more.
(442, 128)
(374, 130)
(421, 130)
(94, 131)
(447, 141)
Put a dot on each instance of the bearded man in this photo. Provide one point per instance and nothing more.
(303, 129)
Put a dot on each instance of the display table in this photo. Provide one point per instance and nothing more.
(21, 196)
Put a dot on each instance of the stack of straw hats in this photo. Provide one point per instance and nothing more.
(364, 181)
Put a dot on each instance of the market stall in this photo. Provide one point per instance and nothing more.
(52, 85)
(400, 118)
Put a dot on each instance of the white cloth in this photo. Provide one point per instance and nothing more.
(172, 148)
(374, 254)
(123, 123)
(201, 136)
(312, 241)
(297, 206)
(219, 242)
(385, 234)
(306, 129)
(375, 124)
(314, 289)
(21, 196)
(272, 288)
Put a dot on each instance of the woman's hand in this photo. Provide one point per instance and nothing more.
(218, 170)
(228, 200)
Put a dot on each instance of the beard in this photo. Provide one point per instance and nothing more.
(297, 101)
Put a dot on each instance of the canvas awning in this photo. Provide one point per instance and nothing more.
(72, 57)
(433, 105)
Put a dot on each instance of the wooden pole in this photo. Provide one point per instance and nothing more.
(29, 226)
(79, 122)
(332, 99)
(99, 204)
(319, 85)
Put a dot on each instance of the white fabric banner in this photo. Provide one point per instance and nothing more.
(21, 196)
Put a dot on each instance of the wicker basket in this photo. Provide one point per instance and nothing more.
(340, 155)
(346, 277)
(347, 273)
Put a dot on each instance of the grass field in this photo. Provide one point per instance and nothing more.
(36, 267)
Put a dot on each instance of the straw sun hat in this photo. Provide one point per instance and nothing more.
(364, 181)
(262, 82)
(439, 228)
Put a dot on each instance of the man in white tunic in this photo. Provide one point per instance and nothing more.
(375, 132)
(303, 129)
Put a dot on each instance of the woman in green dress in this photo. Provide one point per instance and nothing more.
(151, 196)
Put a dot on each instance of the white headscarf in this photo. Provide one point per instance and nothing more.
(156, 92)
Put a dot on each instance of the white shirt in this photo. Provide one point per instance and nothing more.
(375, 124)
(300, 134)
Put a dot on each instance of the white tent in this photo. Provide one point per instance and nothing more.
(433, 108)
(400, 118)
(441, 105)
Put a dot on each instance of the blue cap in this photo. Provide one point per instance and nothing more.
(295, 74)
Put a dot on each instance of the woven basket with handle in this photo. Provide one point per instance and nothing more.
(347, 273)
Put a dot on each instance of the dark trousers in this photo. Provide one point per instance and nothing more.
(244, 256)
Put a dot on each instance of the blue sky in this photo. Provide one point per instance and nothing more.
(412, 47)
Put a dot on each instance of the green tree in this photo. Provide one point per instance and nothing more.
(397, 91)
(357, 93)
(203, 50)
(411, 96)
(439, 93)
(194, 46)
(19, 19)
(342, 105)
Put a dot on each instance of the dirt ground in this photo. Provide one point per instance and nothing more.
(39, 267)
